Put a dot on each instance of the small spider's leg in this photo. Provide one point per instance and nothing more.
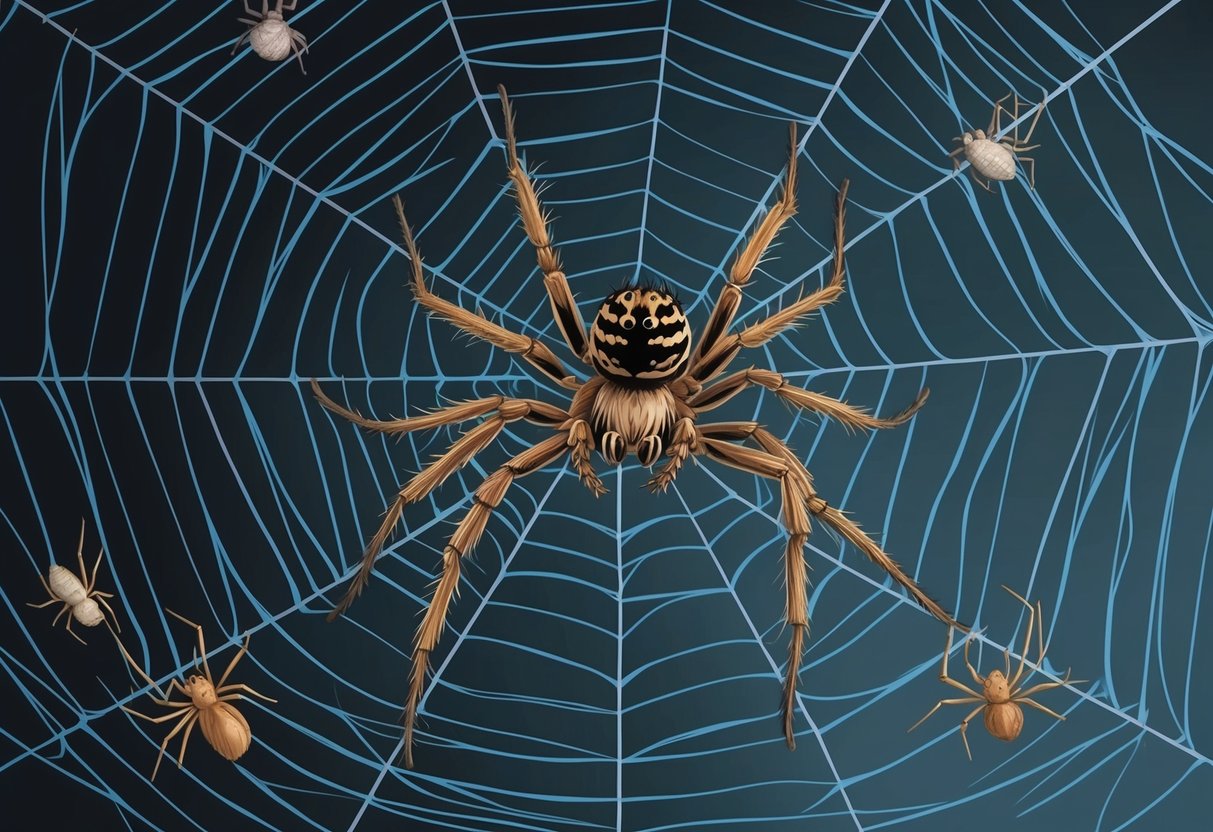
(100, 597)
(92, 581)
(487, 497)
(169, 703)
(747, 261)
(534, 352)
(684, 443)
(239, 41)
(977, 677)
(226, 692)
(298, 52)
(1029, 163)
(716, 349)
(964, 728)
(187, 720)
(1027, 639)
(1022, 701)
(957, 153)
(959, 701)
(541, 413)
(535, 223)
(1043, 686)
(1040, 108)
(69, 629)
(158, 719)
(300, 44)
(995, 123)
(852, 417)
(1040, 635)
(235, 660)
(581, 446)
(52, 598)
(248, 10)
(977, 179)
(66, 608)
(460, 453)
(80, 556)
(265, 7)
(185, 740)
(201, 642)
(143, 675)
(947, 679)
(282, 7)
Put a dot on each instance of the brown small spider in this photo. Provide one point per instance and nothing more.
(1000, 695)
(209, 705)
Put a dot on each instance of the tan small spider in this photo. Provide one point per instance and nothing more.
(995, 158)
(209, 705)
(1000, 695)
(78, 595)
(270, 35)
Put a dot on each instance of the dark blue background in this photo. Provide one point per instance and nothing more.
(190, 236)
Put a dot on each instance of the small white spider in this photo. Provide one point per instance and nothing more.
(995, 158)
(269, 34)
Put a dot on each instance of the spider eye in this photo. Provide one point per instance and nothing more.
(628, 323)
(650, 323)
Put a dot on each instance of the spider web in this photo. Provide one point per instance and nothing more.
(192, 236)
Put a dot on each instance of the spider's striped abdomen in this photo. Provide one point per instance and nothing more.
(640, 337)
(992, 160)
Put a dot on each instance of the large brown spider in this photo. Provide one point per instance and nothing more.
(648, 394)
(1001, 695)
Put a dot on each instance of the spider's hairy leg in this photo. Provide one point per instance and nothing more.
(541, 413)
(715, 357)
(748, 258)
(535, 223)
(535, 352)
(852, 417)
(488, 496)
(849, 529)
(460, 453)
(852, 532)
(793, 490)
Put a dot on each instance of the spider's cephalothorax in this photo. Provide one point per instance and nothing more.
(639, 342)
(640, 337)
(649, 393)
